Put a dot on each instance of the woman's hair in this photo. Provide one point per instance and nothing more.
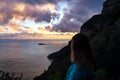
(81, 52)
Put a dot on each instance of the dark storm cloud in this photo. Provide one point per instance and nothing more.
(6, 13)
(70, 23)
(33, 1)
(94, 5)
(42, 17)
(80, 11)
(8, 9)
(40, 1)
(67, 27)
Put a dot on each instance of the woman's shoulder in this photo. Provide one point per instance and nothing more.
(77, 72)
(86, 73)
(74, 65)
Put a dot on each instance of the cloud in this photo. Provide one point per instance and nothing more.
(63, 15)
(68, 24)
(14, 9)
(33, 2)
(79, 12)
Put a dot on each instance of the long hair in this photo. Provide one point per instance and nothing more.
(81, 52)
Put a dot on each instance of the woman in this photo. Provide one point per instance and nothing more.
(83, 65)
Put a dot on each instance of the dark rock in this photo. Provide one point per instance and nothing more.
(111, 7)
(9, 76)
(41, 44)
(104, 34)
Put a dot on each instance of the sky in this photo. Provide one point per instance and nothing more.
(46, 17)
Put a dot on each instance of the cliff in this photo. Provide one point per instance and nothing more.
(103, 31)
(59, 65)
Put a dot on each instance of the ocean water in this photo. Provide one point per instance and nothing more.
(26, 56)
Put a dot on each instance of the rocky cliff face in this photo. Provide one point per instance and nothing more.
(103, 31)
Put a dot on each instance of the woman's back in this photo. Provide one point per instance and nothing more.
(79, 73)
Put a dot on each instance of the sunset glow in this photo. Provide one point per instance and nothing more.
(19, 7)
(49, 18)
(23, 24)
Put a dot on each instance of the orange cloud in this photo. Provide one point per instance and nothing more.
(41, 29)
(55, 34)
(2, 5)
(2, 29)
(46, 7)
(30, 30)
(18, 16)
(1, 15)
(50, 7)
(15, 26)
(19, 7)
(12, 30)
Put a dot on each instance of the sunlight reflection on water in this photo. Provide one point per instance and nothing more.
(26, 56)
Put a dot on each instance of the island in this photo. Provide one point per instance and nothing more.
(42, 44)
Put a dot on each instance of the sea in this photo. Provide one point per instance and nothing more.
(27, 57)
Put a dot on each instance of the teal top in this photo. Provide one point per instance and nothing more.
(79, 73)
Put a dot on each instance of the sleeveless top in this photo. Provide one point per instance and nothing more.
(79, 73)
